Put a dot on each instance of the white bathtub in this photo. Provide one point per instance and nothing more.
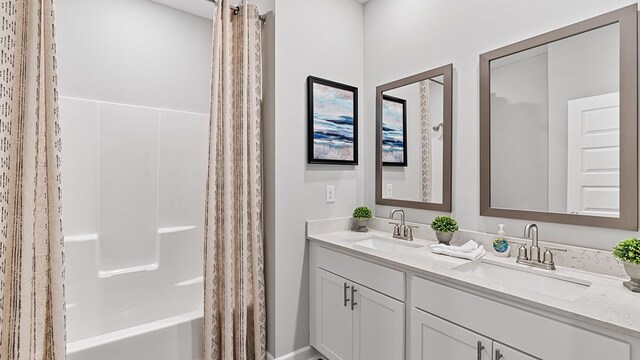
(149, 314)
(175, 338)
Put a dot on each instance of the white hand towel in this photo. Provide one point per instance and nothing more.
(473, 255)
(468, 247)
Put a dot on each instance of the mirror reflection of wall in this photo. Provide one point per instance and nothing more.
(412, 154)
(555, 126)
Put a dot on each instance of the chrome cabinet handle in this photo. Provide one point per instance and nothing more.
(498, 355)
(480, 347)
(346, 299)
(353, 297)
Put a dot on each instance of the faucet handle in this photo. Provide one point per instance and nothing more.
(396, 227)
(408, 231)
(547, 257)
(522, 250)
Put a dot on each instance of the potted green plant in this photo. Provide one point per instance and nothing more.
(629, 252)
(444, 226)
(362, 215)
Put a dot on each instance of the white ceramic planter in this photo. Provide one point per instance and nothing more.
(361, 225)
(444, 237)
(633, 270)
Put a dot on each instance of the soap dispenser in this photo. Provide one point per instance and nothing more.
(500, 245)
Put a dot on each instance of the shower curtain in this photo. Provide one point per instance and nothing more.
(31, 244)
(234, 312)
(425, 137)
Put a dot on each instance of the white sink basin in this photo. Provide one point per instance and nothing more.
(386, 245)
(556, 286)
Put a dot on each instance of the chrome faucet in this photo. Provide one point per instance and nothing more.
(533, 259)
(401, 230)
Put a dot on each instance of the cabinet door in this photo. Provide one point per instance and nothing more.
(334, 323)
(435, 339)
(378, 325)
(504, 352)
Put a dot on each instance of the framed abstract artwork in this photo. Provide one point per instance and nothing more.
(394, 131)
(332, 122)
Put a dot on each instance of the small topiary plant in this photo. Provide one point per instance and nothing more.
(444, 224)
(628, 251)
(362, 212)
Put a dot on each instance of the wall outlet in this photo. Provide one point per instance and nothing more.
(389, 191)
(331, 194)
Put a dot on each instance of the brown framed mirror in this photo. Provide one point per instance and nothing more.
(558, 125)
(413, 141)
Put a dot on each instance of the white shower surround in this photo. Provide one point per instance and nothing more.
(120, 295)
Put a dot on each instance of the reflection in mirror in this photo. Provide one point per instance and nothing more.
(555, 126)
(412, 119)
(558, 118)
(414, 149)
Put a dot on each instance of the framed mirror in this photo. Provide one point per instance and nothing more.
(558, 125)
(413, 141)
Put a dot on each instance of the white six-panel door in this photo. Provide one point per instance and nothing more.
(593, 155)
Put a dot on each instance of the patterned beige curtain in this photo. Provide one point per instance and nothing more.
(425, 137)
(32, 306)
(235, 314)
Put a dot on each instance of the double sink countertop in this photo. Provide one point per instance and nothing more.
(605, 302)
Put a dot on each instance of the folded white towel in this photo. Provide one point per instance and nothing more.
(474, 254)
(468, 247)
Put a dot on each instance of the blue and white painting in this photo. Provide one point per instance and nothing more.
(333, 124)
(393, 132)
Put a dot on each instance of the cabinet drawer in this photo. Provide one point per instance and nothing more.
(534, 334)
(380, 278)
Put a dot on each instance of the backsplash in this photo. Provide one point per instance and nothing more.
(592, 260)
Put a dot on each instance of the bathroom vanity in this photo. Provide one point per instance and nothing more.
(375, 297)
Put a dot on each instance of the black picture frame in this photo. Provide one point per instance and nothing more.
(403, 102)
(335, 133)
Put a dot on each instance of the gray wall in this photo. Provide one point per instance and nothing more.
(323, 38)
(519, 134)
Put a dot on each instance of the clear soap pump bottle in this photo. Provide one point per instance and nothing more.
(500, 244)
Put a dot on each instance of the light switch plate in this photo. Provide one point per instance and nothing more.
(331, 194)
(389, 191)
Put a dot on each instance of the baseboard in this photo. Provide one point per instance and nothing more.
(305, 353)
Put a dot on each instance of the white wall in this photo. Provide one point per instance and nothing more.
(134, 52)
(430, 33)
(321, 38)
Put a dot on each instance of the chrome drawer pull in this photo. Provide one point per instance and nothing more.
(346, 300)
(353, 297)
(480, 347)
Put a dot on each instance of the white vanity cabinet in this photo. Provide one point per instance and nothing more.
(525, 332)
(504, 352)
(366, 310)
(350, 320)
(434, 338)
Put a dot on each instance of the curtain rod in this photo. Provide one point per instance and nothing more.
(236, 9)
